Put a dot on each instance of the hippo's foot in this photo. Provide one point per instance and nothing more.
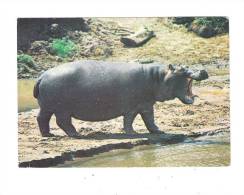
(47, 135)
(156, 131)
(74, 135)
(130, 131)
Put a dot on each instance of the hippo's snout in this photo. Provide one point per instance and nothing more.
(199, 76)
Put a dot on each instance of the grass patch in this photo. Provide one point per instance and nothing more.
(25, 59)
(63, 47)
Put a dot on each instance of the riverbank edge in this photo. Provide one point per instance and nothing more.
(80, 153)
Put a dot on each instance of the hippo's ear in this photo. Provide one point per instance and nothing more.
(170, 67)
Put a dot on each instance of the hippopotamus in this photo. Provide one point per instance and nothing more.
(97, 91)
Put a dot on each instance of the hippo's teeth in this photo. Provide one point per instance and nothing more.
(189, 90)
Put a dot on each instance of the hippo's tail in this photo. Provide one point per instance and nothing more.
(36, 88)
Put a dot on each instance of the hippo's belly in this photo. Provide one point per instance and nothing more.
(97, 111)
(96, 116)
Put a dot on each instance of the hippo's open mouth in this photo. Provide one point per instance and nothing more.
(189, 90)
(189, 97)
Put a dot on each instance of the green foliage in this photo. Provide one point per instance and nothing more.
(63, 47)
(25, 59)
(213, 22)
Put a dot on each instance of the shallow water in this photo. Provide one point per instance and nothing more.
(26, 101)
(204, 151)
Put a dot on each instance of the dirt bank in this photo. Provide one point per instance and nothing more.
(209, 113)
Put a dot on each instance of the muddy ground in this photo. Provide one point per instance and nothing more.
(173, 44)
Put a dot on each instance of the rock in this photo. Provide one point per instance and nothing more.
(146, 61)
(20, 52)
(205, 31)
(74, 35)
(39, 47)
(202, 31)
(96, 48)
(209, 26)
(190, 112)
(54, 28)
(58, 59)
(56, 31)
(204, 26)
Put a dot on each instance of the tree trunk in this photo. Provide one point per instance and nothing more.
(137, 39)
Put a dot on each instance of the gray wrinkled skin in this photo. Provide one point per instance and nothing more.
(99, 91)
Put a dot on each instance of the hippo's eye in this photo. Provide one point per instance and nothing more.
(182, 69)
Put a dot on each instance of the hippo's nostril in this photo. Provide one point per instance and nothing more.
(203, 74)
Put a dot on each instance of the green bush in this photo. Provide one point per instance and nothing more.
(218, 23)
(25, 59)
(63, 47)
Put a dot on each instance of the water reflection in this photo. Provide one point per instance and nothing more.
(203, 151)
(26, 101)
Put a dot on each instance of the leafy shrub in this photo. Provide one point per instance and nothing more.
(204, 26)
(217, 23)
(63, 47)
(25, 59)
(209, 26)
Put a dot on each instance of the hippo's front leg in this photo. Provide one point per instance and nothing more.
(147, 115)
(128, 121)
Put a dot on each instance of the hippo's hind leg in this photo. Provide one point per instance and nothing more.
(64, 122)
(128, 120)
(43, 119)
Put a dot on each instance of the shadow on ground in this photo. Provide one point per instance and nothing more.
(152, 138)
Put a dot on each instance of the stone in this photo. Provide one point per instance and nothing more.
(39, 47)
